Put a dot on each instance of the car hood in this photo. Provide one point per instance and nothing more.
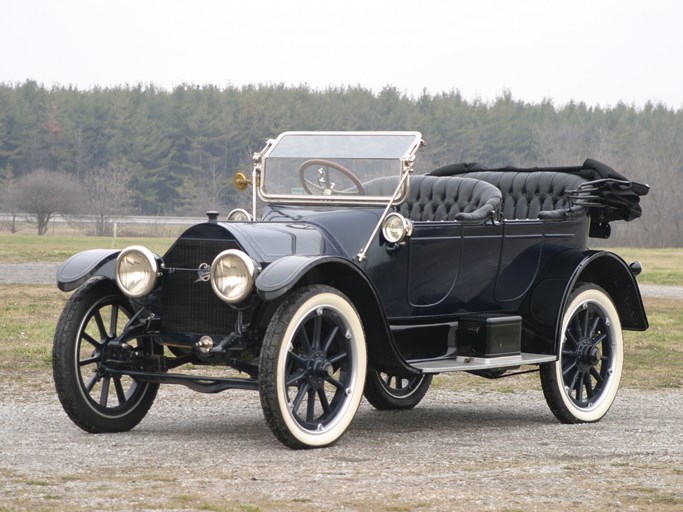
(264, 242)
(325, 232)
(269, 241)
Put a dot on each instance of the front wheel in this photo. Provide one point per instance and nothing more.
(95, 398)
(582, 384)
(390, 392)
(312, 367)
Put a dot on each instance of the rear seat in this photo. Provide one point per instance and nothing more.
(532, 195)
(433, 198)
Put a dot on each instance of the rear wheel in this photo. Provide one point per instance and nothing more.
(386, 392)
(582, 384)
(95, 398)
(312, 367)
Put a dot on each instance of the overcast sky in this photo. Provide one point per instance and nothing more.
(595, 51)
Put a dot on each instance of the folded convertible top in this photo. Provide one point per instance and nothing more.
(607, 194)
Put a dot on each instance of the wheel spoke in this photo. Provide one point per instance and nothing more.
(330, 338)
(572, 337)
(574, 379)
(295, 378)
(579, 388)
(594, 326)
(310, 405)
(305, 342)
(89, 360)
(317, 329)
(338, 357)
(100, 324)
(569, 368)
(586, 321)
(323, 400)
(299, 397)
(120, 394)
(85, 336)
(114, 320)
(577, 324)
(596, 375)
(91, 383)
(296, 358)
(599, 339)
(589, 386)
(335, 382)
(104, 395)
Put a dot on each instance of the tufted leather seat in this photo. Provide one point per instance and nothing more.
(530, 195)
(433, 198)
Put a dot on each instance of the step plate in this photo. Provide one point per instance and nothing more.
(466, 364)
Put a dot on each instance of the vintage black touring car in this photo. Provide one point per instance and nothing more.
(354, 276)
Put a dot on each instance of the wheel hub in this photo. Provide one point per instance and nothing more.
(588, 354)
(318, 369)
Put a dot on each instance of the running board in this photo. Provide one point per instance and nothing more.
(463, 363)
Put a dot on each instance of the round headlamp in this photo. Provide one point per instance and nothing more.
(232, 275)
(136, 271)
(396, 228)
(239, 215)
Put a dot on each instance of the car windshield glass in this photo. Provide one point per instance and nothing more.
(339, 166)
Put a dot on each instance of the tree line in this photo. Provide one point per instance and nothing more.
(154, 151)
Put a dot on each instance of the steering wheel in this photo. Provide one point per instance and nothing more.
(324, 186)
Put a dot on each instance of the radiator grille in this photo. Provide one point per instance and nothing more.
(188, 304)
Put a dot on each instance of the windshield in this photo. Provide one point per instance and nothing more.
(336, 167)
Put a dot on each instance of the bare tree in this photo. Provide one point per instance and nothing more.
(108, 194)
(43, 193)
(206, 190)
(8, 199)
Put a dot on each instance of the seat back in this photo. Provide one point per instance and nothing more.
(531, 195)
(434, 198)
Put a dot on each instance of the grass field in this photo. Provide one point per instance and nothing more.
(28, 314)
(18, 248)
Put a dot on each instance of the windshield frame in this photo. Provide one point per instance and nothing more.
(403, 158)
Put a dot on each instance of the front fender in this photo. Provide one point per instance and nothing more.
(280, 276)
(284, 274)
(82, 266)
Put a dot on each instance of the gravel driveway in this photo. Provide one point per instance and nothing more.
(458, 450)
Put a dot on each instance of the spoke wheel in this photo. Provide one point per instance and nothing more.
(96, 398)
(581, 386)
(312, 367)
(386, 392)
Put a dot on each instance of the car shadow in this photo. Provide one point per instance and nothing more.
(243, 422)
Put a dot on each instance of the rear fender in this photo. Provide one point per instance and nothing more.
(82, 266)
(291, 272)
(546, 303)
(609, 271)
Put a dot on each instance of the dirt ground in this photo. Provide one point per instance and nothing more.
(456, 451)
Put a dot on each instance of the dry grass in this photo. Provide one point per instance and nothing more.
(660, 266)
(18, 248)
